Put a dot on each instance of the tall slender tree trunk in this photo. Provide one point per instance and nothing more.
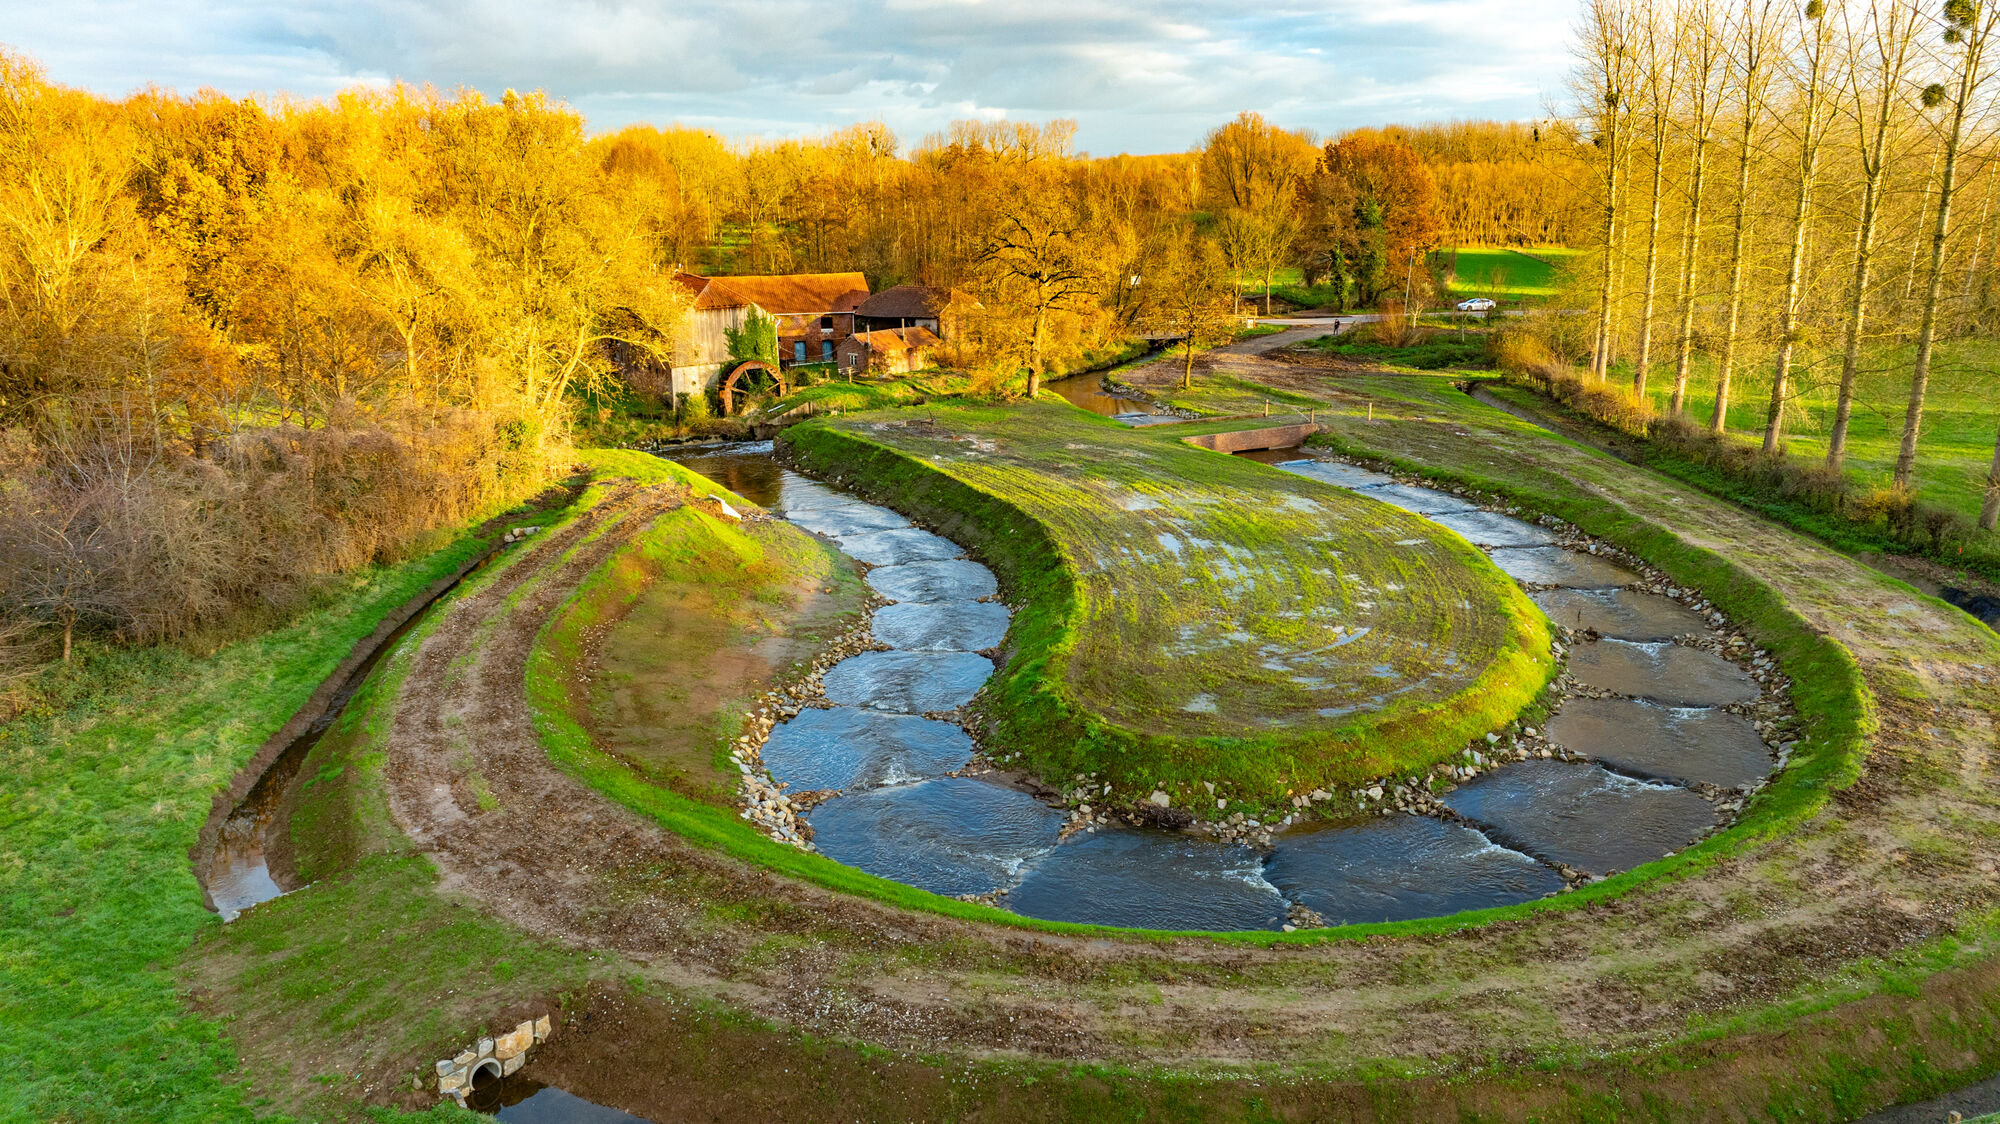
(1917, 244)
(1643, 356)
(1989, 512)
(1600, 356)
(1733, 318)
(1788, 313)
(1894, 53)
(1857, 312)
(1920, 376)
(1978, 244)
(1610, 59)
(1691, 251)
(1035, 355)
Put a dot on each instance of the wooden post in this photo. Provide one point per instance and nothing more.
(1371, 409)
(1267, 407)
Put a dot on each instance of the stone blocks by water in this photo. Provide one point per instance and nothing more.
(1663, 673)
(499, 1056)
(1581, 815)
(907, 682)
(1685, 746)
(1621, 614)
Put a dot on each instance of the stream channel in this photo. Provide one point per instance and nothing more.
(239, 873)
(903, 815)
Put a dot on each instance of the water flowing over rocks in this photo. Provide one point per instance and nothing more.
(1620, 614)
(1402, 866)
(1666, 722)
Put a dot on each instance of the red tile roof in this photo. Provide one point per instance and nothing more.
(904, 302)
(795, 294)
(707, 294)
(899, 339)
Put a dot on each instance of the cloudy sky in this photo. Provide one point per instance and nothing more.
(1138, 76)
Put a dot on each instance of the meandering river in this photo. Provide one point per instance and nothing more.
(904, 813)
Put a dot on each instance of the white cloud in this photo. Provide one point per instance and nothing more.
(1138, 75)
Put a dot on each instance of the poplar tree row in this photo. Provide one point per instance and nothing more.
(1808, 185)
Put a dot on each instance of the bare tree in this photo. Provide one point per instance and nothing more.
(1605, 79)
(1814, 36)
(1971, 31)
(1877, 65)
(1699, 38)
(58, 560)
(1749, 61)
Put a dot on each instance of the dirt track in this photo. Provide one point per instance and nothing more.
(1870, 876)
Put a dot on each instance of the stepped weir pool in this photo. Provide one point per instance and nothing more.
(1654, 751)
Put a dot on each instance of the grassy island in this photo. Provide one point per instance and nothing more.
(1187, 617)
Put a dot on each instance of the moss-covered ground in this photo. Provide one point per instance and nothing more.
(1774, 974)
(685, 627)
(1190, 618)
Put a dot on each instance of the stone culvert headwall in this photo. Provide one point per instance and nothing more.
(499, 1056)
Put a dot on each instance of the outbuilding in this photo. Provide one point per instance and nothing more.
(889, 351)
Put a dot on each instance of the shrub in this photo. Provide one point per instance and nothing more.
(1394, 328)
(1613, 405)
(1894, 514)
(1521, 351)
(695, 410)
(141, 545)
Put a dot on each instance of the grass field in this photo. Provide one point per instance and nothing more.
(1438, 349)
(97, 896)
(1510, 276)
(1955, 446)
(1287, 284)
(1185, 632)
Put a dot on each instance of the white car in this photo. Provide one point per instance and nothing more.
(1477, 304)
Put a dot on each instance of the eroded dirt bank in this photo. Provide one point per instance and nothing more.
(1904, 856)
